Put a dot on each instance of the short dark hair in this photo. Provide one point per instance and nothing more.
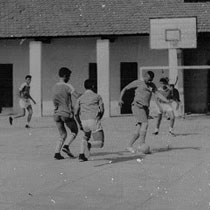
(64, 71)
(89, 84)
(28, 76)
(151, 74)
(164, 81)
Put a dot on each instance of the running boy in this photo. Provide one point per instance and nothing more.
(63, 113)
(24, 102)
(140, 109)
(89, 110)
(164, 107)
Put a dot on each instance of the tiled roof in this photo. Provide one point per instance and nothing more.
(32, 18)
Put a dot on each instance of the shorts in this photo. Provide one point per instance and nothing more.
(69, 122)
(141, 114)
(164, 108)
(24, 103)
(91, 125)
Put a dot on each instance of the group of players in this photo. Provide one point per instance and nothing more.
(89, 109)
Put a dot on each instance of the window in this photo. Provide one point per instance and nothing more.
(128, 73)
(6, 85)
(93, 73)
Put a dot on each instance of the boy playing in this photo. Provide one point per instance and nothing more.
(163, 107)
(63, 113)
(25, 104)
(140, 109)
(89, 110)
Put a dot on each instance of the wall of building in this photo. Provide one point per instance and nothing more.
(75, 54)
(15, 52)
(131, 49)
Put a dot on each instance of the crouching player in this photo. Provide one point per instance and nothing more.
(89, 110)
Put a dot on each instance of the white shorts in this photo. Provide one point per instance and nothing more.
(24, 103)
(91, 125)
(164, 108)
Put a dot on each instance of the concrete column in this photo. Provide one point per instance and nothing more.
(35, 58)
(173, 63)
(180, 84)
(103, 79)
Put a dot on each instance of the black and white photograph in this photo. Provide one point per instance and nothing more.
(104, 104)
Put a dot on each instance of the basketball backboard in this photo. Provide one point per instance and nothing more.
(168, 33)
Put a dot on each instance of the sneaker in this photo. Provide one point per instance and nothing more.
(27, 126)
(67, 151)
(10, 120)
(58, 156)
(172, 133)
(130, 149)
(82, 158)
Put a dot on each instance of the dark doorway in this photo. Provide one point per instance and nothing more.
(128, 73)
(6, 85)
(196, 81)
(93, 74)
(196, 89)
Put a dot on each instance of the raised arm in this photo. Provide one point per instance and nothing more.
(73, 92)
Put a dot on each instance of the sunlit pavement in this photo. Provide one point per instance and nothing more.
(171, 178)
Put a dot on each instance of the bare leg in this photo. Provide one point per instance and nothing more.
(172, 121)
(72, 125)
(84, 147)
(21, 114)
(63, 135)
(30, 113)
(158, 124)
(133, 139)
(143, 147)
(135, 135)
(17, 116)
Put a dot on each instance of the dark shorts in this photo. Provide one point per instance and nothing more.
(141, 113)
(69, 122)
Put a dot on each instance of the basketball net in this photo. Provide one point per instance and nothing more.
(174, 43)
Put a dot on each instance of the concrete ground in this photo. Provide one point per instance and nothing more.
(174, 179)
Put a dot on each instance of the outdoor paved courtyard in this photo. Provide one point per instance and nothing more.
(175, 179)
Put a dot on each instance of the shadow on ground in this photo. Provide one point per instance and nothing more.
(139, 157)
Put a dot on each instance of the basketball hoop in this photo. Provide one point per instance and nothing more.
(173, 33)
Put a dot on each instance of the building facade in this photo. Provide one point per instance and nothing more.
(111, 51)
